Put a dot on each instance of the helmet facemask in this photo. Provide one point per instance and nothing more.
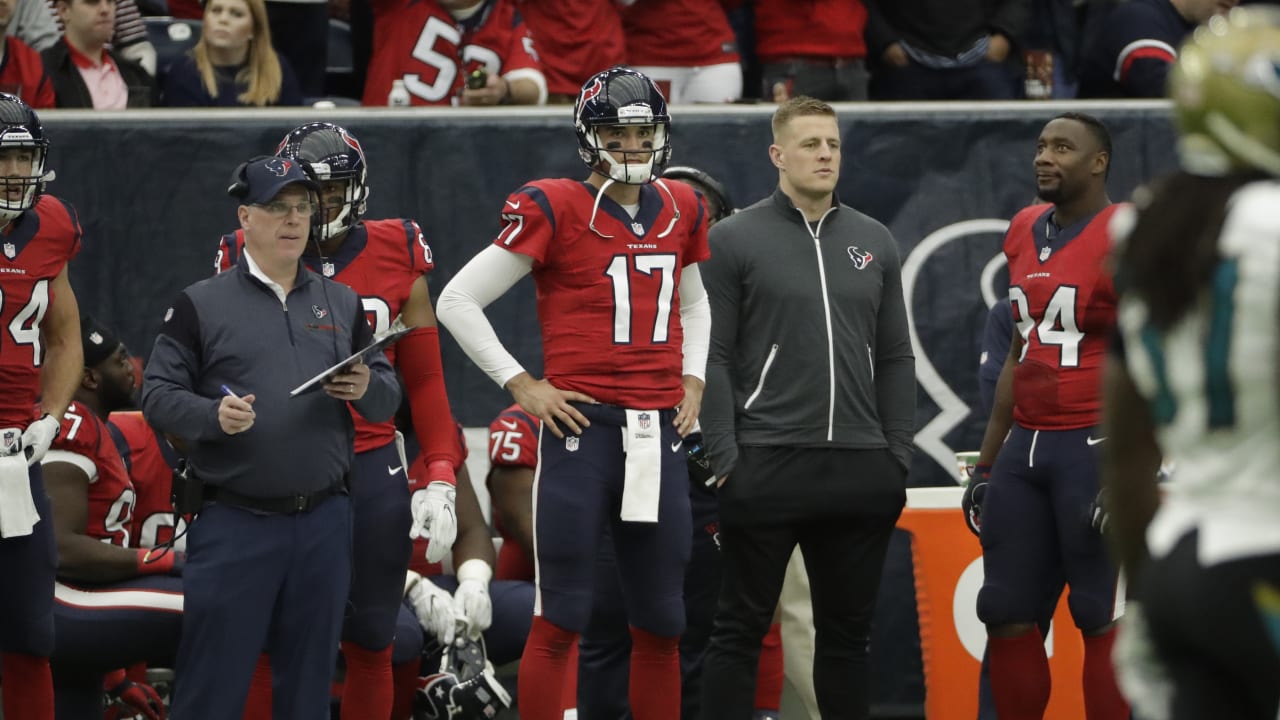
(19, 193)
(638, 167)
(354, 200)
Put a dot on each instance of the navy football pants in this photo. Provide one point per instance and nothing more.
(380, 547)
(1036, 529)
(577, 490)
(29, 565)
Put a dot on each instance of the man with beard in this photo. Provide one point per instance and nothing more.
(1043, 435)
(114, 605)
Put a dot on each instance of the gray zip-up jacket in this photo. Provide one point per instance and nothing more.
(232, 330)
(809, 339)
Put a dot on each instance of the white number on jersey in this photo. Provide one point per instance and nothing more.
(424, 51)
(506, 442)
(75, 419)
(619, 272)
(1058, 327)
(378, 312)
(117, 521)
(149, 533)
(25, 326)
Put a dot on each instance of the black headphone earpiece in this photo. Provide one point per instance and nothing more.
(239, 187)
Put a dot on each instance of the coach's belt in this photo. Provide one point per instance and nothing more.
(284, 505)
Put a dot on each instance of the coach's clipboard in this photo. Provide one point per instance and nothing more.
(379, 343)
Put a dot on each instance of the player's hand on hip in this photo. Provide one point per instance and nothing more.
(235, 414)
(434, 607)
(687, 412)
(549, 403)
(38, 436)
(349, 385)
(435, 518)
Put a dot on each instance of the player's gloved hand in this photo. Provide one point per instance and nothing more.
(130, 699)
(433, 606)
(38, 436)
(1098, 514)
(974, 493)
(472, 603)
(1142, 677)
(433, 514)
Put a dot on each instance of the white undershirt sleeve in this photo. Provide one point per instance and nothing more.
(695, 318)
(460, 309)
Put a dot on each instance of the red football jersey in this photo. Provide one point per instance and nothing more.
(513, 442)
(418, 481)
(380, 260)
(678, 33)
(36, 248)
(1064, 306)
(22, 74)
(831, 28)
(576, 38)
(421, 43)
(609, 306)
(85, 443)
(152, 479)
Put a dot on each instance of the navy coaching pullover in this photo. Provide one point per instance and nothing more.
(232, 330)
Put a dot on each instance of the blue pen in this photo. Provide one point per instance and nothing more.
(227, 391)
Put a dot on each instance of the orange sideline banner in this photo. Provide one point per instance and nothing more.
(948, 574)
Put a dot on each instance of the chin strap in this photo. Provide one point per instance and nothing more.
(595, 207)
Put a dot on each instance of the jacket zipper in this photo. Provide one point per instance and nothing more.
(768, 363)
(826, 315)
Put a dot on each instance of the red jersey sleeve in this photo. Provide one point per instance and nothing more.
(520, 53)
(513, 439)
(528, 223)
(421, 260)
(79, 435)
(229, 247)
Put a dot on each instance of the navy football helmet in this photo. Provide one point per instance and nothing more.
(716, 193)
(333, 154)
(20, 128)
(622, 96)
(461, 684)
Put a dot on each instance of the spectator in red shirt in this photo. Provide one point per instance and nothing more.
(577, 39)
(685, 46)
(454, 52)
(812, 47)
(21, 70)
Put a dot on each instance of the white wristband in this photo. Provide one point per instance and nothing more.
(475, 569)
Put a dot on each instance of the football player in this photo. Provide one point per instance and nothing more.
(40, 358)
(1035, 511)
(1194, 380)
(625, 329)
(454, 52)
(115, 604)
(386, 262)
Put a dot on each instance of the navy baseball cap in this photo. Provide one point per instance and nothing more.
(260, 180)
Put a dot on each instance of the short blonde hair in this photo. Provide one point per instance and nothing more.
(798, 107)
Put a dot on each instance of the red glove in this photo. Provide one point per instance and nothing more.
(129, 699)
(161, 561)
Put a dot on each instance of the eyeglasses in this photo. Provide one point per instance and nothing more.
(278, 208)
